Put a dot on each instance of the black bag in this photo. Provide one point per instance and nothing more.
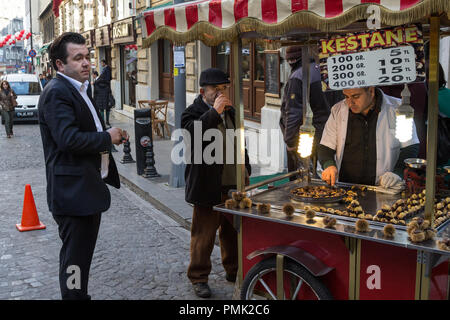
(111, 100)
(443, 147)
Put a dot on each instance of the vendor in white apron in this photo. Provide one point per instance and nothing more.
(358, 144)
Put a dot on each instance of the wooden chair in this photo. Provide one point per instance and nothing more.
(145, 104)
(160, 116)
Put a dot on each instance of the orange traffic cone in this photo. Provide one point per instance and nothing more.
(30, 219)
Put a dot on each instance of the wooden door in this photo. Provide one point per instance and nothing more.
(258, 94)
(253, 89)
(165, 52)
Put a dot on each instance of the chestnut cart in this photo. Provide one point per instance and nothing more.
(296, 257)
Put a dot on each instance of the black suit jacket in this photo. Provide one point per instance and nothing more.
(72, 150)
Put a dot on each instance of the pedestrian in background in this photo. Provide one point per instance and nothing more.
(42, 80)
(208, 184)
(291, 117)
(7, 104)
(101, 96)
(77, 159)
(103, 87)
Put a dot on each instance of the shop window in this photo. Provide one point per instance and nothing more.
(88, 14)
(76, 16)
(252, 66)
(222, 58)
(123, 8)
(104, 12)
(165, 52)
(129, 53)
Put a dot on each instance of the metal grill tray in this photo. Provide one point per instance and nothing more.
(314, 200)
(370, 200)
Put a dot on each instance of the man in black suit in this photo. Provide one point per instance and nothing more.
(77, 159)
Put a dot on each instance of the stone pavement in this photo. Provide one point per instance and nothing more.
(140, 252)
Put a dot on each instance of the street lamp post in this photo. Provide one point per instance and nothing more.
(31, 38)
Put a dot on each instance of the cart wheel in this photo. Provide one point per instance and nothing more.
(298, 282)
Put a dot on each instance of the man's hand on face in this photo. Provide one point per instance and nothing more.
(329, 175)
(117, 135)
(221, 102)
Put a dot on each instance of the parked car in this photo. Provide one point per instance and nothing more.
(28, 89)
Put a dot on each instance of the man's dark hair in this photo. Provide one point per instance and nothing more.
(58, 48)
(104, 61)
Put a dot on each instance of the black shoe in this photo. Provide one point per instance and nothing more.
(202, 290)
(231, 277)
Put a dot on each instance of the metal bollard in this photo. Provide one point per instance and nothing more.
(145, 157)
(127, 158)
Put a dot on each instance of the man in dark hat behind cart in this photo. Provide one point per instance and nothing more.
(208, 184)
(292, 106)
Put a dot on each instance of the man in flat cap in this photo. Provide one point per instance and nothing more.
(292, 106)
(207, 184)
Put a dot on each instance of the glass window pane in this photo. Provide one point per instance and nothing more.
(166, 57)
(130, 55)
(76, 15)
(104, 12)
(88, 14)
(67, 10)
(246, 60)
(223, 57)
(259, 63)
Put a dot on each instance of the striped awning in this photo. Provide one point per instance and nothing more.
(214, 21)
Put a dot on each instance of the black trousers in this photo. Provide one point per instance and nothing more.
(79, 236)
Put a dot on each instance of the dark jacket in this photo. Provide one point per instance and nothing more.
(72, 148)
(204, 181)
(292, 105)
(102, 89)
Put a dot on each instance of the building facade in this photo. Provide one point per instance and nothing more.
(12, 57)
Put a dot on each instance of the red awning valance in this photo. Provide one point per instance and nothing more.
(214, 21)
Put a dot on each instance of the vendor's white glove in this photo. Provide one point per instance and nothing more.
(390, 179)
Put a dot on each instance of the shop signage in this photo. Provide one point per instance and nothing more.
(381, 57)
(123, 31)
(102, 37)
(89, 36)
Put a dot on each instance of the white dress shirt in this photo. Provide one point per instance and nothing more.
(82, 89)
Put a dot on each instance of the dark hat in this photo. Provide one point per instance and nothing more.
(213, 76)
(293, 52)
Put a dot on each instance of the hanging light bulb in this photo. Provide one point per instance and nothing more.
(404, 117)
(307, 132)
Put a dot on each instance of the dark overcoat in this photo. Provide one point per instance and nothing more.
(204, 181)
(102, 89)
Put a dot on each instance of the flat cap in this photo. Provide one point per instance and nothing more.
(213, 76)
(293, 52)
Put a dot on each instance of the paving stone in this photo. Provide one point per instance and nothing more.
(140, 254)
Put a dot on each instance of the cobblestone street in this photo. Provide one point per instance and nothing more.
(140, 252)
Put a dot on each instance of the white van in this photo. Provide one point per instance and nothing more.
(27, 88)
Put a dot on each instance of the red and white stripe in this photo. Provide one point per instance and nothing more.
(225, 13)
